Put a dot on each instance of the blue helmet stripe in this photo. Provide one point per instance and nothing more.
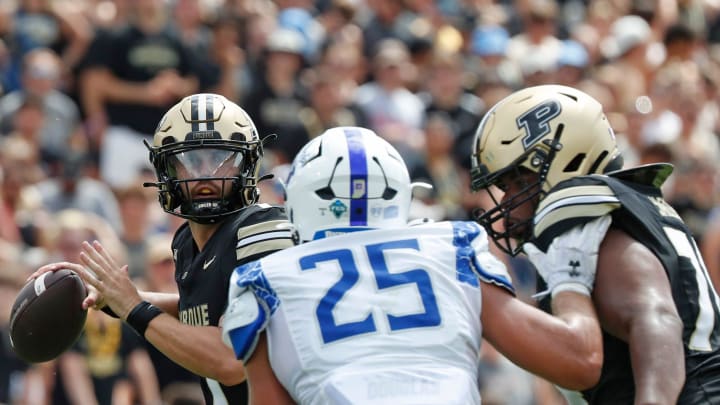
(358, 177)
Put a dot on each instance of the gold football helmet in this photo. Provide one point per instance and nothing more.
(554, 131)
(205, 139)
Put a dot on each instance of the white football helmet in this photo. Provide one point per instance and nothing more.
(557, 132)
(346, 179)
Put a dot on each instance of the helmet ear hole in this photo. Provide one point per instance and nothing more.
(596, 163)
(389, 193)
(326, 193)
(616, 163)
(574, 164)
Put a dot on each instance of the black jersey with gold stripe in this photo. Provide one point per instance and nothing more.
(203, 276)
(634, 200)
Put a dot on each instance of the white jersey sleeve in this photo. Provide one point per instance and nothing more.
(379, 316)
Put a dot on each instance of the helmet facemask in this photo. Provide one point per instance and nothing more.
(510, 233)
(224, 171)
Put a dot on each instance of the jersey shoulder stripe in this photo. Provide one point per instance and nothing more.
(263, 230)
(568, 206)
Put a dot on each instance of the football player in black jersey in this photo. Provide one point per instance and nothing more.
(205, 153)
(549, 160)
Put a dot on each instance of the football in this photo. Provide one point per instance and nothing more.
(47, 316)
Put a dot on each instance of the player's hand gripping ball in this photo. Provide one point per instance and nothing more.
(47, 316)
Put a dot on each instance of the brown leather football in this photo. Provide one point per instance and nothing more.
(47, 316)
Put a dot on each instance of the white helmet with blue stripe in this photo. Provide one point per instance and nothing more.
(344, 180)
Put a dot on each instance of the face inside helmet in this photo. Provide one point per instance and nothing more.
(204, 183)
(514, 193)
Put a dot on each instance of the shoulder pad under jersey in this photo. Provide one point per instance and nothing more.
(572, 202)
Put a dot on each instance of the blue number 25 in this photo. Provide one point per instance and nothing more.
(331, 331)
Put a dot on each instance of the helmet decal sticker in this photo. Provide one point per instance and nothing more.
(359, 188)
(535, 121)
(392, 211)
(338, 208)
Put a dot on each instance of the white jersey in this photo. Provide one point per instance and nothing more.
(389, 316)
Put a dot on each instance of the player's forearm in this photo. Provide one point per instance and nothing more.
(565, 349)
(166, 301)
(580, 335)
(658, 378)
(197, 348)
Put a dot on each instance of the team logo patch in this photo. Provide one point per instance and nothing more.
(359, 187)
(338, 208)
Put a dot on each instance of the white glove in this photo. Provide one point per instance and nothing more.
(571, 260)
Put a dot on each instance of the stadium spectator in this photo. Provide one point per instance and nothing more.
(135, 209)
(446, 93)
(326, 106)
(572, 63)
(278, 96)
(59, 131)
(439, 168)
(394, 112)
(34, 24)
(130, 78)
(74, 189)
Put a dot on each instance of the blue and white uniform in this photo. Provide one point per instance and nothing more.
(372, 316)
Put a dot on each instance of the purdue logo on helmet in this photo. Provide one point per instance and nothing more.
(205, 152)
(554, 131)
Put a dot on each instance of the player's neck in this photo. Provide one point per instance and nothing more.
(201, 233)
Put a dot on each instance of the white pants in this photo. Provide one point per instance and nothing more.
(123, 156)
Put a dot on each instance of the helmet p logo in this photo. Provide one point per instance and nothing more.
(535, 121)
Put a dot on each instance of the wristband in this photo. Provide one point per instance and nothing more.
(140, 316)
(109, 311)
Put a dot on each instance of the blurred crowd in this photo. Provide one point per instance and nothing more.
(84, 82)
